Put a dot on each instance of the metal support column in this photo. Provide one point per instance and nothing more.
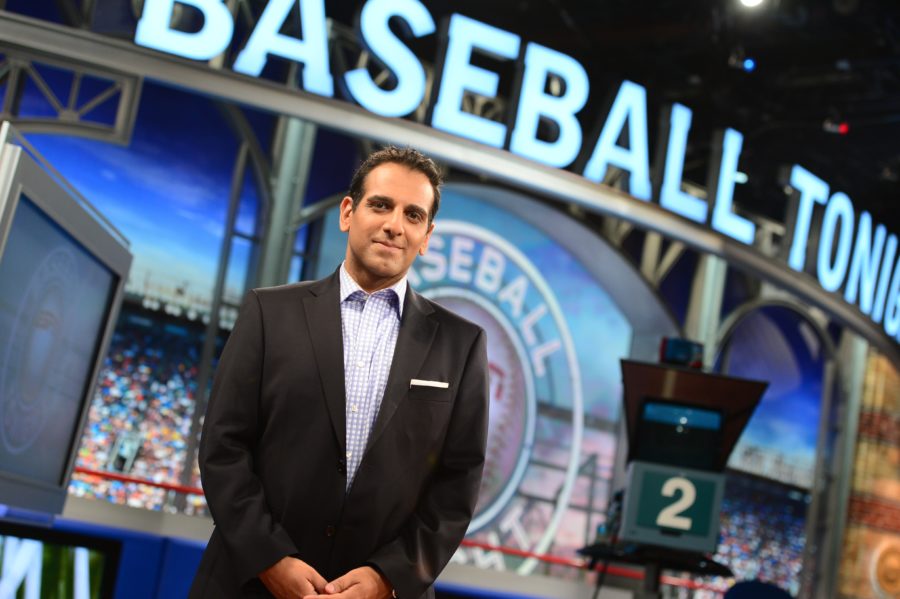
(703, 314)
(293, 161)
(818, 516)
(212, 327)
(852, 357)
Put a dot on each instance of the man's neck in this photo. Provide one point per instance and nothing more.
(368, 284)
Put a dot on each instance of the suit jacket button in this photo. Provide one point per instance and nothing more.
(329, 531)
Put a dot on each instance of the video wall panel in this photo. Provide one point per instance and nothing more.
(54, 296)
(42, 562)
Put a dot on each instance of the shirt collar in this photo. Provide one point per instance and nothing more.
(350, 286)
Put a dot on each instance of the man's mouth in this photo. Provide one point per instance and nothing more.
(388, 245)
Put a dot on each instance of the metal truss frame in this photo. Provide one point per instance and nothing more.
(71, 113)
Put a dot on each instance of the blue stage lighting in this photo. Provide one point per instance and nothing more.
(749, 65)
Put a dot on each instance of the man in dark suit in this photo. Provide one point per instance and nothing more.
(344, 441)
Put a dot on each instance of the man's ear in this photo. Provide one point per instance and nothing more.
(346, 210)
(424, 247)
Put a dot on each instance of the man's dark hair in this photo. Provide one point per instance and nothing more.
(408, 157)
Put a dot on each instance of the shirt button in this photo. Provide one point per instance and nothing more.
(349, 453)
(360, 364)
(354, 408)
(329, 531)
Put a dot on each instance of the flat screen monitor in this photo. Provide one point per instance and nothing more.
(37, 561)
(678, 435)
(61, 277)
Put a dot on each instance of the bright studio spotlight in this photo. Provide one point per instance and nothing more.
(752, 3)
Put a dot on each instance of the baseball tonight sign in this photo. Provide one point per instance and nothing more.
(853, 253)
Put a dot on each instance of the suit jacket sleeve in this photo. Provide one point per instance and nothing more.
(253, 537)
(413, 560)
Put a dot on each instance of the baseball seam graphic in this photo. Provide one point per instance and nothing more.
(503, 430)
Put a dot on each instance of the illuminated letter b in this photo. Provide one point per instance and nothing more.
(153, 30)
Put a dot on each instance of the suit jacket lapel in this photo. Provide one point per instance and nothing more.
(323, 317)
(417, 331)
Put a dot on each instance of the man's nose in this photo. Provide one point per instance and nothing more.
(393, 224)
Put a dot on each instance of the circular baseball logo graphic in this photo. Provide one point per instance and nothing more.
(535, 386)
(886, 571)
(32, 351)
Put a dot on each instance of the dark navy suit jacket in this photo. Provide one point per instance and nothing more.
(273, 446)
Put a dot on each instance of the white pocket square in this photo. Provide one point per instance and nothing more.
(424, 383)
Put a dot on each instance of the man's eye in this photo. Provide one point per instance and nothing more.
(415, 216)
(377, 204)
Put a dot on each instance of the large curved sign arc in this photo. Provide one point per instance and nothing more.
(502, 165)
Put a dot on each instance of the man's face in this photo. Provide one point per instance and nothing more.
(388, 227)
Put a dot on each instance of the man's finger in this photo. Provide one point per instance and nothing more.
(338, 585)
(350, 592)
(318, 581)
(307, 587)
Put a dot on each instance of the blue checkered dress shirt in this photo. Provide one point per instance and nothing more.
(370, 324)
